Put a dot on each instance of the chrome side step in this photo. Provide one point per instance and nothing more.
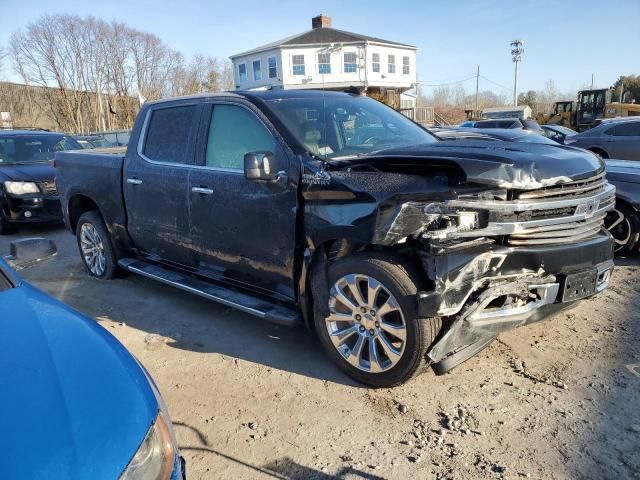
(271, 312)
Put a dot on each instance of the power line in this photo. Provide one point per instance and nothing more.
(495, 83)
(447, 83)
(449, 79)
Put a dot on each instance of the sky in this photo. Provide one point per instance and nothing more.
(565, 40)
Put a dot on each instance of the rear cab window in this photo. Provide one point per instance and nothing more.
(170, 134)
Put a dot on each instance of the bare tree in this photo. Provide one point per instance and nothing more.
(93, 72)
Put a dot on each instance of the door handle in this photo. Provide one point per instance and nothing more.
(202, 190)
(134, 181)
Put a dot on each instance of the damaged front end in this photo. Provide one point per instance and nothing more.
(500, 259)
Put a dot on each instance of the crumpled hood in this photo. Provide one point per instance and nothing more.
(41, 172)
(502, 164)
(74, 404)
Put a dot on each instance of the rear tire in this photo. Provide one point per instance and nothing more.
(623, 223)
(391, 340)
(94, 242)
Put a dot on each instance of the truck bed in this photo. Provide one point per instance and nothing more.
(95, 175)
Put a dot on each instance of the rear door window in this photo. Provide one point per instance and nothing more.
(234, 131)
(169, 134)
(630, 129)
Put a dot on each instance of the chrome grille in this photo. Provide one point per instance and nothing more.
(576, 188)
(559, 214)
(48, 188)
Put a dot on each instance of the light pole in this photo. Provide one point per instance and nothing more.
(517, 49)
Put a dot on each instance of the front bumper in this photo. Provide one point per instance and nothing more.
(484, 289)
(34, 208)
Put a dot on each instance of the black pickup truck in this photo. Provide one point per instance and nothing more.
(332, 210)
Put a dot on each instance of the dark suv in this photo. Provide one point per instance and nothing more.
(27, 180)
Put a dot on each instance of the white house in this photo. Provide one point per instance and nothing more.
(327, 58)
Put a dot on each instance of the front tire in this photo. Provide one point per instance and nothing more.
(624, 225)
(373, 332)
(94, 243)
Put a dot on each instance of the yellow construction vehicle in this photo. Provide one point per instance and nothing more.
(617, 109)
(562, 114)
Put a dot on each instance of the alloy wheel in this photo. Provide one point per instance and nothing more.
(366, 324)
(619, 227)
(92, 249)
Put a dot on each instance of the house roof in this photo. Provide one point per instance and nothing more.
(319, 36)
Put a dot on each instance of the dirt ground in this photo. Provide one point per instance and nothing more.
(554, 400)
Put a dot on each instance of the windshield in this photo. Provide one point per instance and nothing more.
(333, 126)
(29, 149)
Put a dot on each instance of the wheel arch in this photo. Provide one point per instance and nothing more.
(599, 151)
(77, 205)
(313, 284)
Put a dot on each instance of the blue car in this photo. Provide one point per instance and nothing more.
(74, 403)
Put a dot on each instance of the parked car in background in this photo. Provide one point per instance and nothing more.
(624, 221)
(335, 211)
(116, 138)
(27, 187)
(505, 134)
(75, 404)
(616, 138)
(557, 133)
(499, 123)
(93, 141)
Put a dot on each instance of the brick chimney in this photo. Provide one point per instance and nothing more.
(321, 21)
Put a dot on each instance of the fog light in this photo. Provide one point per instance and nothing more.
(27, 214)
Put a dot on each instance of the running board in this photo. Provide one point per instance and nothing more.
(240, 301)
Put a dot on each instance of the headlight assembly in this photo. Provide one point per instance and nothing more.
(155, 457)
(21, 188)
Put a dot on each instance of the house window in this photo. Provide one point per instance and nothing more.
(391, 60)
(242, 72)
(257, 73)
(405, 66)
(324, 63)
(375, 62)
(298, 64)
(273, 66)
(350, 62)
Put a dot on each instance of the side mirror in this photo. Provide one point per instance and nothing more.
(30, 251)
(261, 166)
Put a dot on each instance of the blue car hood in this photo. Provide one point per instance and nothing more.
(74, 403)
(38, 172)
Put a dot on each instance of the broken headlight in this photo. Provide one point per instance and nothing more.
(444, 222)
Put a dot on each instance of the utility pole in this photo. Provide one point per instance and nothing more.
(592, 81)
(477, 86)
(622, 91)
(517, 49)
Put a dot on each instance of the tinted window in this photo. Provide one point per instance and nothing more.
(26, 149)
(168, 134)
(630, 129)
(234, 132)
